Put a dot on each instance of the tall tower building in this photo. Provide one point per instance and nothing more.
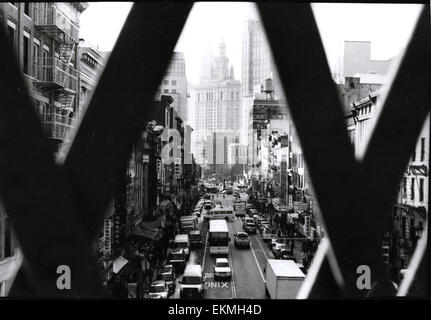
(217, 110)
(357, 60)
(257, 66)
(175, 84)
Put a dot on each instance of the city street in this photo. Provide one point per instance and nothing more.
(247, 264)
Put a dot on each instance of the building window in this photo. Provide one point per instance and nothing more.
(412, 189)
(421, 190)
(174, 91)
(26, 52)
(11, 27)
(404, 187)
(174, 82)
(166, 82)
(27, 9)
(414, 155)
(422, 149)
(165, 91)
(36, 50)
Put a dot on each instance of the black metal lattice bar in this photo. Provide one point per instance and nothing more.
(34, 195)
(57, 211)
(115, 117)
(354, 220)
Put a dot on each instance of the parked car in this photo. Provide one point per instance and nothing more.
(277, 248)
(159, 290)
(177, 258)
(248, 206)
(182, 241)
(169, 278)
(264, 224)
(274, 241)
(222, 269)
(284, 254)
(195, 239)
(253, 212)
(168, 268)
(241, 239)
(249, 225)
(267, 232)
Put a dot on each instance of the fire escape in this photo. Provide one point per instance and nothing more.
(54, 71)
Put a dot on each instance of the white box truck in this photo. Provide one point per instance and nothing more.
(283, 279)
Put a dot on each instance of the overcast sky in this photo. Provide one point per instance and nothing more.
(387, 26)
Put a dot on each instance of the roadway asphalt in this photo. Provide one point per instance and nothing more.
(248, 265)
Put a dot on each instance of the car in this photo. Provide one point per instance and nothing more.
(222, 269)
(274, 241)
(169, 278)
(276, 249)
(158, 290)
(260, 222)
(177, 258)
(263, 224)
(168, 268)
(249, 225)
(285, 254)
(241, 239)
(267, 233)
(252, 212)
(195, 239)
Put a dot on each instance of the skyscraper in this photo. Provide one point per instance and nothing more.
(175, 84)
(357, 59)
(257, 66)
(217, 107)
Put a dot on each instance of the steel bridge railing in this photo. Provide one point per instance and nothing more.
(58, 209)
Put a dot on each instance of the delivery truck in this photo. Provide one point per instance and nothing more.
(283, 279)
(188, 223)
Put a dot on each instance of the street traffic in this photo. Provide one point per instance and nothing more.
(203, 262)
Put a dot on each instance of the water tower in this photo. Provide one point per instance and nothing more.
(269, 89)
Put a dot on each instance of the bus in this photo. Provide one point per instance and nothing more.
(218, 237)
(220, 212)
(239, 209)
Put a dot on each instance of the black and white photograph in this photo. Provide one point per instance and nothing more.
(223, 151)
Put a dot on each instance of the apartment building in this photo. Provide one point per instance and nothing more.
(407, 220)
(44, 36)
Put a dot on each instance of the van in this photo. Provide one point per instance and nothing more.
(192, 282)
(188, 223)
(221, 213)
(195, 239)
(182, 241)
(249, 225)
(177, 259)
